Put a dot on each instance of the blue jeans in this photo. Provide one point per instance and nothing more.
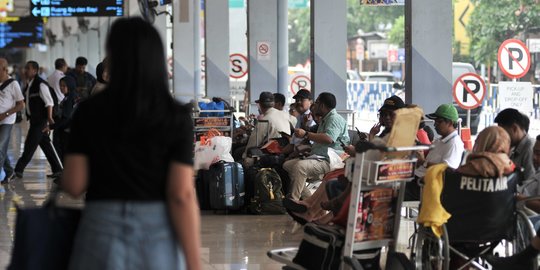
(126, 235)
(5, 135)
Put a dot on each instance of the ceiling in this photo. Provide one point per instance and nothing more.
(21, 8)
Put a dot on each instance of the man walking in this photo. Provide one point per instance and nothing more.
(11, 101)
(39, 104)
(85, 81)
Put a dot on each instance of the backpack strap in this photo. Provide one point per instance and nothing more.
(6, 83)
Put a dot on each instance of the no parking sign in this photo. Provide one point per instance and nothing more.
(469, 91)
(300, 82)
(514, 58)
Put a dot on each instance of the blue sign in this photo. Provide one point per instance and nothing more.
(21, 32)
(401, 55)
(76, 8)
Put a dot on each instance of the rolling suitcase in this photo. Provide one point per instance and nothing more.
(227, 189)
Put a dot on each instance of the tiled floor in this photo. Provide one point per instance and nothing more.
(229, 241)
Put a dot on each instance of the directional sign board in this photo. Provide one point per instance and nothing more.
(469, 90)
(76, 8)
(21, 32)
(300, 82)
(239, 66)
(514, 58)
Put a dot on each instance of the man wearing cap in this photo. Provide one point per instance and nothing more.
(447, 149)
(390, 105)
(331, 132)
(273, 123)
(304, 100)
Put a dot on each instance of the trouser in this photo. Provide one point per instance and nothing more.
(36, 137)
(302, 169)
(60, 138)
(5, 135)
(412, 190)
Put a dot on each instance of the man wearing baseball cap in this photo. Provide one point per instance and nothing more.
(447, 149)
(386, 112)
(274, 123)
(304, 99)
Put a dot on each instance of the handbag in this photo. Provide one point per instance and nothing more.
(44, 237)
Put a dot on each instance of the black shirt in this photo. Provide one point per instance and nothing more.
(128, 165)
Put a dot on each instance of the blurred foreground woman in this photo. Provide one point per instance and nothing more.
(131, 149)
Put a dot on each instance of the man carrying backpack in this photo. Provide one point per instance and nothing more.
(40, 103)
(11, 101)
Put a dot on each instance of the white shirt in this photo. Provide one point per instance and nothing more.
(277, 122)
(8, 99)
(54, 82)
(448, 150)
(44, 94)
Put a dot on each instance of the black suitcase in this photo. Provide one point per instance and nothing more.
(202, 186)
(227, 189)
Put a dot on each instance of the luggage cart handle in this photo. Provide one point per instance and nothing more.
(362, 147)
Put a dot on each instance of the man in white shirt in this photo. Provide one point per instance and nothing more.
(447, 149)
(279, 104)
(11, 101)
(273, 122)
(61, 67)
(39, 104)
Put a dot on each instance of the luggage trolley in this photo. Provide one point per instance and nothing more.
(378, 189)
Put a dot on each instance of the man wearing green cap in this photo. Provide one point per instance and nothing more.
(447, 149)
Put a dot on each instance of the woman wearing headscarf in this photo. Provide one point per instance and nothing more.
(489, 157)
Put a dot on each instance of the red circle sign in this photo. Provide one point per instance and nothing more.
(239, 65)
(514, 58)
(469, 91)
(263, 49)
(300, 82)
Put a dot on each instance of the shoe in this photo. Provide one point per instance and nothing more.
(296, 218)
(294, 206)
(54, 175)
(19, 175)
(9, 177)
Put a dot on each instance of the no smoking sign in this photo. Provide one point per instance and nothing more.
(469, 91)
(514, 58)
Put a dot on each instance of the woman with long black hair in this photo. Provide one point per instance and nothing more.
(131, 150)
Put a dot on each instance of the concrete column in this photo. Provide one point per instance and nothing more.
(184, 49)
(428, 46)
(283, 46)
(262, 47)
(329, 48)
(217, 48)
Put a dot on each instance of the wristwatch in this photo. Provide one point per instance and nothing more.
(7, 114)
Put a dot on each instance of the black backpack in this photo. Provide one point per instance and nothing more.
(267, 195)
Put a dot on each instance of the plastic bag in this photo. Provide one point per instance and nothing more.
(336, 162)
(213, 150)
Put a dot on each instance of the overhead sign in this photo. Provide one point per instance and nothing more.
(300, 82)
(21, 32)
(518, 95)
(76, 8)
(383, 2)
(469, 91)
(514, 58)
(239, 66)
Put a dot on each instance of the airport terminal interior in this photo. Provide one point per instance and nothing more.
(343, 134)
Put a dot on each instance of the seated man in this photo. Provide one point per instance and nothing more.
(517, 126)
(331, 133)
(448, 149)
(279, 104)
(273, 123)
